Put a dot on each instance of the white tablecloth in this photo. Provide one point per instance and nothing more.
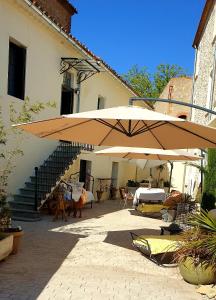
(150, 195)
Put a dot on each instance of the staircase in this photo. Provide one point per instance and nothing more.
(24, 205)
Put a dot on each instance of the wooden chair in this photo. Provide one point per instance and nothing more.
(125, 196)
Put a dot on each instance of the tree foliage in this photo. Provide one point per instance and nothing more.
(210, 175)
(151, 85)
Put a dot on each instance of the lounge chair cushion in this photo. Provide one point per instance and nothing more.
(153, 245)
(150, 208)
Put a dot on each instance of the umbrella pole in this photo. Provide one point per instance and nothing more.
(170, 179)
(136, 174)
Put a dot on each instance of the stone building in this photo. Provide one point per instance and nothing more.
(180, 89)
(204, 89)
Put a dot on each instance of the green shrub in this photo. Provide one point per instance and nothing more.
(208, 201)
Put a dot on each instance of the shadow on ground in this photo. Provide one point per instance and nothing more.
(29, 271)
(123, 238)
(42, 252)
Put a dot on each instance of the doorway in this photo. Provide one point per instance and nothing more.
(85, 171)
(67, 100)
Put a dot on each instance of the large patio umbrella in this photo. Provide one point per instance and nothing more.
(125, 126)
(149, 154)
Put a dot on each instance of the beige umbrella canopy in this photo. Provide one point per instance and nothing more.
(148, 154)
(128, 126)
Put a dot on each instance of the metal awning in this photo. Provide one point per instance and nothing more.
(85, 67)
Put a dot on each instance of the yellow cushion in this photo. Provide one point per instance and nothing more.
(153, 208)
(158, 244)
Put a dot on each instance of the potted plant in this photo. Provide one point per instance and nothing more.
(196, 254)
(8, 155)
(6, 245)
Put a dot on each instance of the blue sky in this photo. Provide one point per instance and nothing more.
(142, 32)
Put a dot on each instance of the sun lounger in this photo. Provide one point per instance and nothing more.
(158, 248)
(151, 209)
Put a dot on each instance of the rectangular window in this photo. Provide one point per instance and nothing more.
(101, 103)
(16, 71)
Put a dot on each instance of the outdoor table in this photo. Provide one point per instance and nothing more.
(149, 195)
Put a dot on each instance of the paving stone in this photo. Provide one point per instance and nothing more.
(89, 258)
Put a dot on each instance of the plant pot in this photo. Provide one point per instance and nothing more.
(16, 241)
(6, 245)
(17, 234)
(99, 195)
(200, 274)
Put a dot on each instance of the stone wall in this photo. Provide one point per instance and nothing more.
(203, 68)
(177, 89)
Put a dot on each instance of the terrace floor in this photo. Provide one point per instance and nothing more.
(89, 258)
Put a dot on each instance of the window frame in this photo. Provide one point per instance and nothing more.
(17, 57)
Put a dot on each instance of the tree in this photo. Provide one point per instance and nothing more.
(210, 175)
(151, 85)
(8, 152)
(140, 80)
(163, 75)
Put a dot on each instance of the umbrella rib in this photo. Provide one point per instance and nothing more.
(65, 128)
(144, 129)
(120, 124)
(107, 135)
(149, 129)
(186, 130)
(135, 126)
(111, 126)
(126, 155)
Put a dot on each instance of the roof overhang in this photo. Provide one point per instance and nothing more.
(203, 20)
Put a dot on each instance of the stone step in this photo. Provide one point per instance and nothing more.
(43, 186)
(21, 205)
(24, 219)
(31, 192)
(24, 198)
(47, 180)
(51, 169)
(24, 214)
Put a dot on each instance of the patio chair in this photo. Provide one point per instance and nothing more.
(125, 196)
(157, 248)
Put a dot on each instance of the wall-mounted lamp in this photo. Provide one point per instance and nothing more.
(77, 91)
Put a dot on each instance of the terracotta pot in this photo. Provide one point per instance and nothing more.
(200, 274)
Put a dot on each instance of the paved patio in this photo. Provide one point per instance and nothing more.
(89, 258)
